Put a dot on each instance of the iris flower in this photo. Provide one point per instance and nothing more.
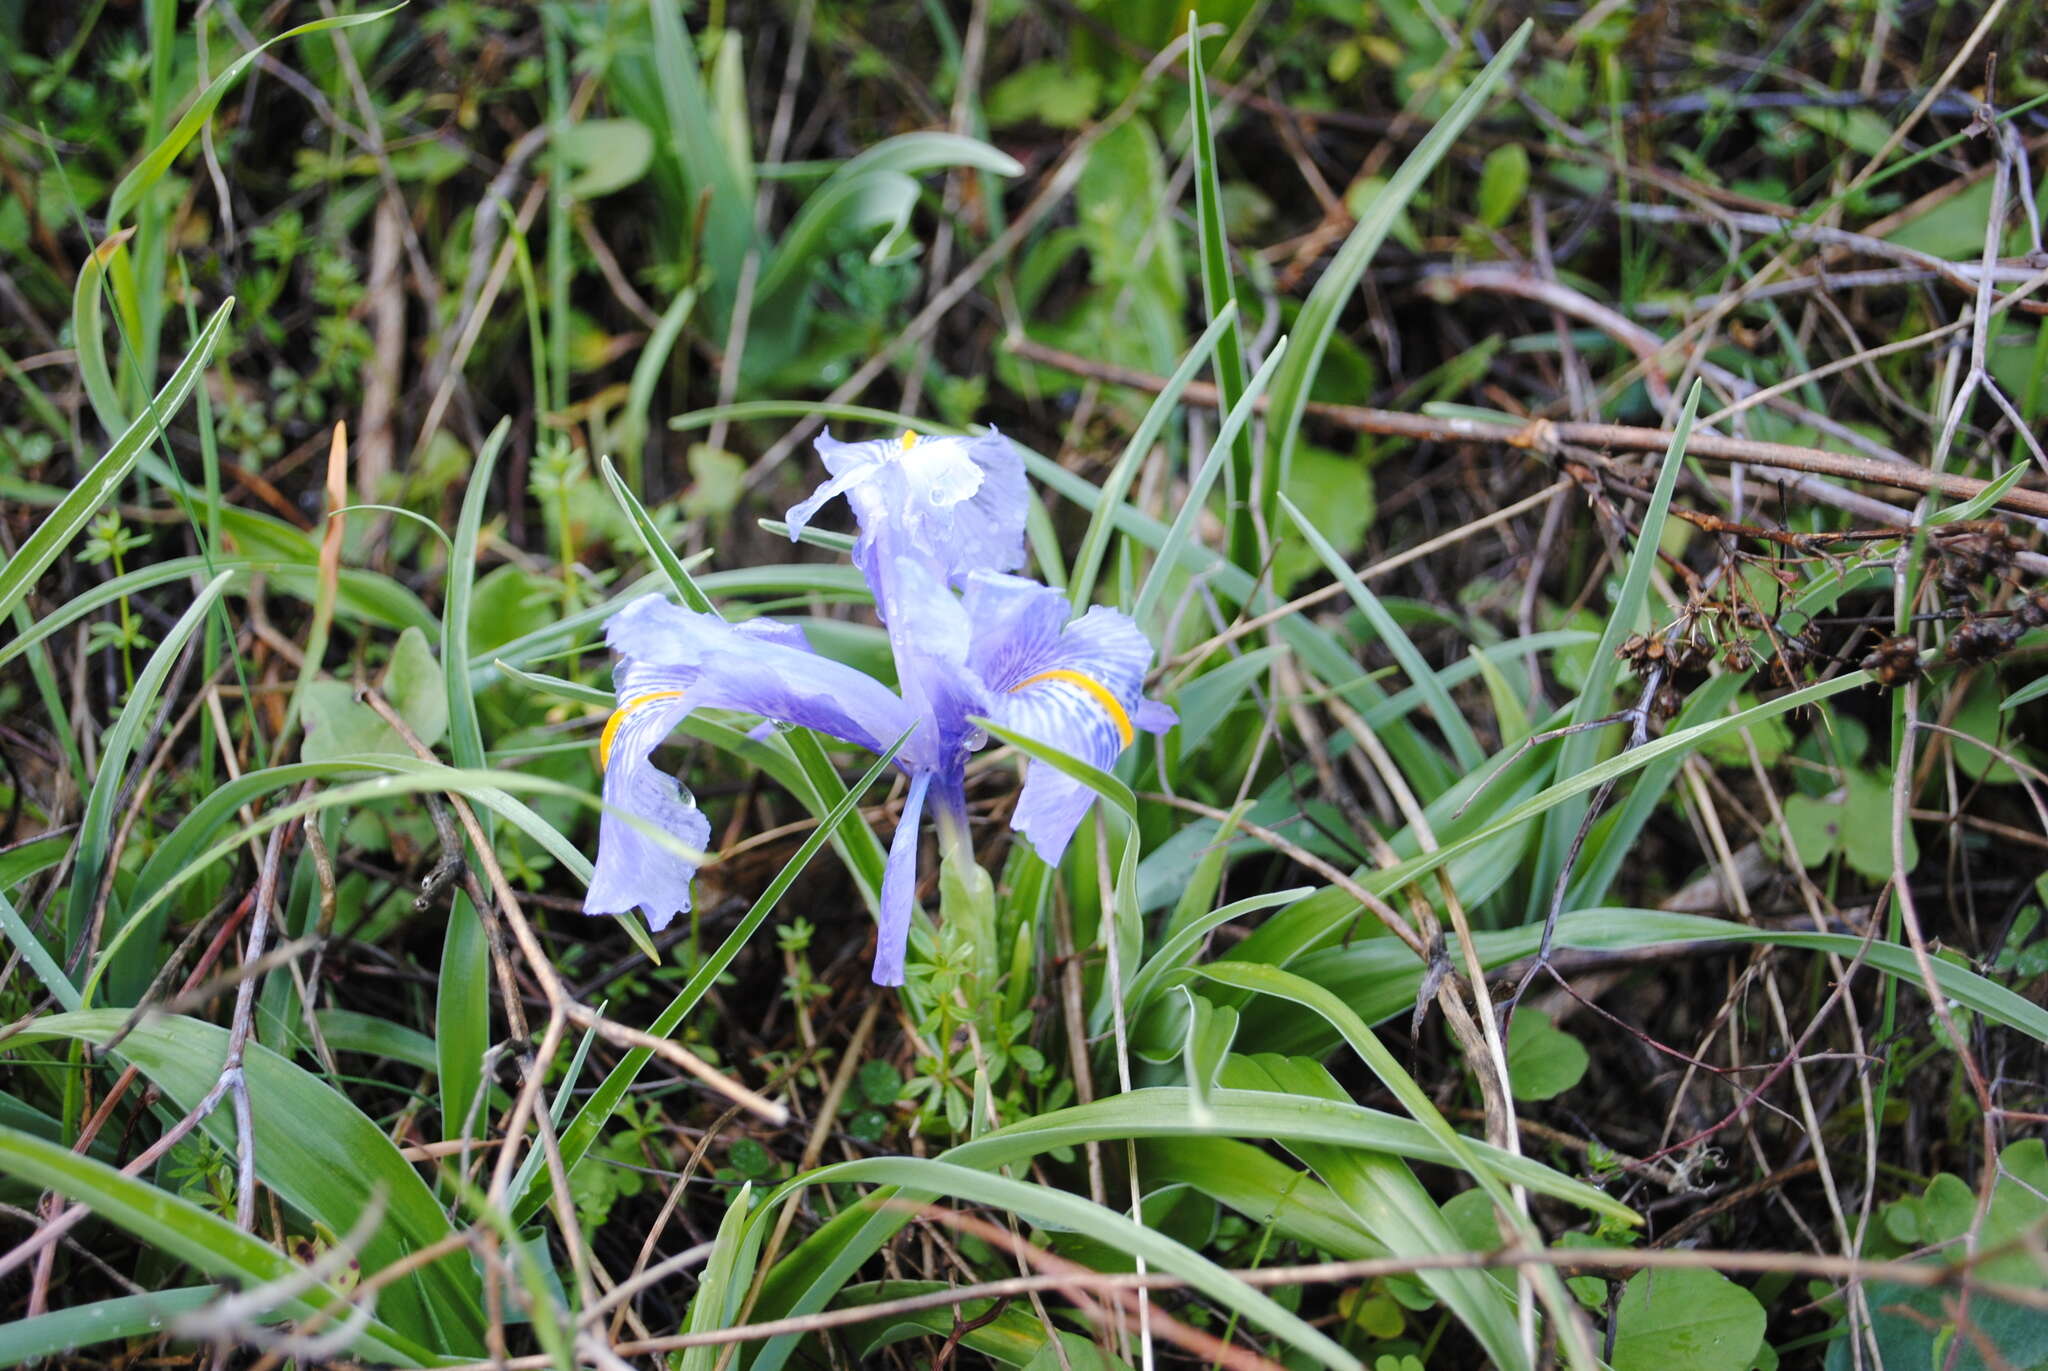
(941, 526)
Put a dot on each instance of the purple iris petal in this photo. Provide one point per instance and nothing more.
(760, 667)
(1074, 685)
(931, 637)
(899, 887)
(673, 661)
(955, 504)
(633, 868)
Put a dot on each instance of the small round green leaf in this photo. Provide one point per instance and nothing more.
(1697, 1320)
(1543, 1059)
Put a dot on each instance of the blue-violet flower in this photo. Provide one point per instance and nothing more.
(941, 523)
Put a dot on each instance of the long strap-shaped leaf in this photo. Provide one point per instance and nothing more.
(1219, 297)
(1271, 980)
(927, 1178)
(1448, 716)
(807, 1279)
(320, 1153)
(181, 1229)
(1391, 1204)
(1378, 980)
(462, 990)
(1094, 542)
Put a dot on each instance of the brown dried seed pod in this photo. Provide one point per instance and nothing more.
(1666, 701)
(1737, 655)
(1796, 652)
(2033, 611)
(1969, 555)
(1690, 655)
(1980, 640)
(1894, 661)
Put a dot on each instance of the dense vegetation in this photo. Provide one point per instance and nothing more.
(1578, 471)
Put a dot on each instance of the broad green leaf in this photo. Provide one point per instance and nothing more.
(1544, 1061)
(1691, 1318)
(1503, 181)
(1816, 826)
(605, 154)
(1866, 827)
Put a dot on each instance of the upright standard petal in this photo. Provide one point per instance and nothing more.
(1074, 685)
(955, 504)
(635, 868)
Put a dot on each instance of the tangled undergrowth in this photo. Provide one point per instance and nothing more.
(1578, 475)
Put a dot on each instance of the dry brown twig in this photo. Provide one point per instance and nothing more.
(1545, 436)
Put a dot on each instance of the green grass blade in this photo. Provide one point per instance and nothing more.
(1456, 729)
(633, 427)
(88, 329)
(653, 544)
(1382, 1192)
(1317, 322)
(1178, 951)
(86, 1325)
(36, 955)
(724, 1280)
(158, 160)
(462, 990)
(1046, 1206)
(1219, 297)
(1596, 698)
(1088, 561)
(1358, 1035)
(182, 1230)
(117, 747)
(1379, 980)
(1180, 534)
(320, 1153)
(18, 575)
